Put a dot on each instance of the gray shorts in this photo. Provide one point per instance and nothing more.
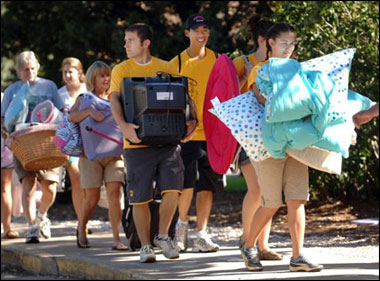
(49, 175)
(146, 165)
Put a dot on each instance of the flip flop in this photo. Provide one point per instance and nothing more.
(119, 247)
(82, 242)
(10, 235)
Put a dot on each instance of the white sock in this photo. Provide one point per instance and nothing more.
(202, 233)
(163, 236)
(39, 214)
(182, 222)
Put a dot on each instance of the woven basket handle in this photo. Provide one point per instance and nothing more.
(9, 141)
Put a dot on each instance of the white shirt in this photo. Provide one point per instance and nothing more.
(65, 96)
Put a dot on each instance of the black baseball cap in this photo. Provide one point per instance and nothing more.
(196, 20)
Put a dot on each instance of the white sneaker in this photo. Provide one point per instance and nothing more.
(32, 235)
(169, 250)
(180, 238)
(204, 244)
(147, 254)
(43, 223)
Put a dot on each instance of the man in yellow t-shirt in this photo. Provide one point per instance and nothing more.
(196, 63)
(146, 164)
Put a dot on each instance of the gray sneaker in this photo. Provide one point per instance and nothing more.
(180, 238)
(43, 224)
(251, 259)
(303, 264)
(204, 245)
(32, 235)
(169, 250)
(147, 254)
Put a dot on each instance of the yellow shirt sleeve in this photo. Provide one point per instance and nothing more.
(253, 75)
(117, 76)
(239, 65)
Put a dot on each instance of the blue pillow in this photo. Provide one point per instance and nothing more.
(340, 137)
(291, 87)
(17, 111)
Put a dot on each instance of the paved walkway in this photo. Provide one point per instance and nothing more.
(60, 256)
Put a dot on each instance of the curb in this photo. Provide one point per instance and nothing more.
(46, 264)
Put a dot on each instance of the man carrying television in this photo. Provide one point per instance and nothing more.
(144, 163)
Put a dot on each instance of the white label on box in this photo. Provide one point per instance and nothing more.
(164, 95)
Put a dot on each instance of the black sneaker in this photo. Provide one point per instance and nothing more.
(303, 264)
(251, 259)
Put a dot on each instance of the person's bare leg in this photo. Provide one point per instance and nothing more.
(49, 190)
(184, 202)
(296, 224)
(251, 201)
(6, 199)
(262, 216)
(114, 208)
(29, 186)
(250, 205)
(168, 207)
(142, 217)
(203, 206)
(77, 192)
(91, 198)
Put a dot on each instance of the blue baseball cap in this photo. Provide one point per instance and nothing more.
(196, 20)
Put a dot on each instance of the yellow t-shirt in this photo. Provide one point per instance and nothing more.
(129, 68)
(199, 71)
(239, 65)
(253, 75)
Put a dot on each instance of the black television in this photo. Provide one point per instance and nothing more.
(158, 105)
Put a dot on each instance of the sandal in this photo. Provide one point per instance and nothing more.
(10, 235)
(82, 242)
(269, 255)
(119, 247)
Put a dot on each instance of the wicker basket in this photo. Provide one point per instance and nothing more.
(34, 148)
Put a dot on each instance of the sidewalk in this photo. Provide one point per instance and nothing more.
(60, 256)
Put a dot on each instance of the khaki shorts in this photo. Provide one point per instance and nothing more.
(282, 175)
(48, 175)
(93, 173)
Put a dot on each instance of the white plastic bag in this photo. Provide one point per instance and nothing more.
(46, 112)
(17, 112)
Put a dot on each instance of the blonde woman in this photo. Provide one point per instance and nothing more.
(93, 173)
(74, 78)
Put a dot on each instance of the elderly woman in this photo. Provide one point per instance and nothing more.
(41, 89)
